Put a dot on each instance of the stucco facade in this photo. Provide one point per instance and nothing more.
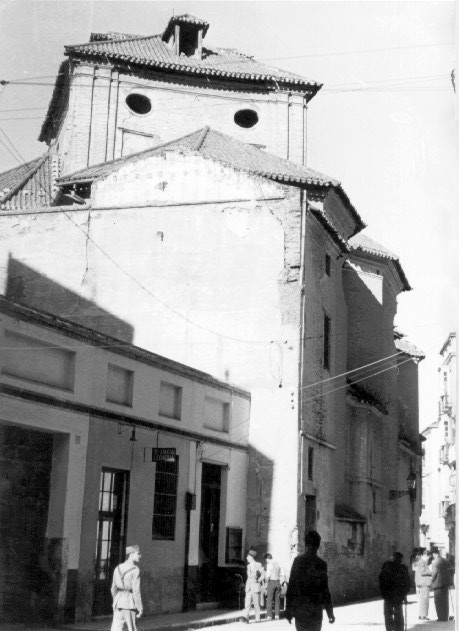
(103, 404)
(221, 250)
(438, 518)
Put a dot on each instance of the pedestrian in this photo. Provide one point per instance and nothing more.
(423, 578)
(394, 583)
(273, 578)
(255, 577)
(307, 591)
(440, 584)
(127, 601)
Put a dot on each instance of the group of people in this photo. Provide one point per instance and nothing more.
(432, 573)
(307, 593)
(307, 590)
(262, 581)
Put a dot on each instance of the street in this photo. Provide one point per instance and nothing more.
(363, 616)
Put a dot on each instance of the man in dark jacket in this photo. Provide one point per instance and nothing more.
(307, 592)
(394, 583)
(440, 584)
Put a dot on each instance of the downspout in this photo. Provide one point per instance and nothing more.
(190, 504)
(288, 125)
(305, 122)
(303, 201)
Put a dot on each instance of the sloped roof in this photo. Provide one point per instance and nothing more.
(323, 218)
(362, 244)
(216, 145)
(29, 185)
(403, 345)
(362, 395)
(153, 52)
(186, 18)
(343, 512)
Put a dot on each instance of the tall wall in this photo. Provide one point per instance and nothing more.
(198, 285)
(99, 126)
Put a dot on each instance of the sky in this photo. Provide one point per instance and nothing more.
(383, 124)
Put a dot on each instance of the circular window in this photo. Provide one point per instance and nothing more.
(138, 103)
(246, 118)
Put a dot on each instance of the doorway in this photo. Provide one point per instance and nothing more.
(111, 535)
(25, 474)
(310, 513)
(209, 530)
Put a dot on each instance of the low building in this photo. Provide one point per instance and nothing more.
(438, 516)
(104, 444)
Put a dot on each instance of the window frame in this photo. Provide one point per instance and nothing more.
(326, 351)
(178, 390)
(162, 493)
(232, 531)
(130, 385)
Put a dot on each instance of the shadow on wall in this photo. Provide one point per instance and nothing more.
(29, 287)
(259, 493)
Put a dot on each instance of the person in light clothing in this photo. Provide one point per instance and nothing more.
(423, 577)
(255, 577)
(274, 579)
(127, 601)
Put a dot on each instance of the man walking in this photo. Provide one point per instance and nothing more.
(255, 576)
(394, 583)
(423, 578)
(440, 585)
(307, 592)
(127, 601)
(273, 587)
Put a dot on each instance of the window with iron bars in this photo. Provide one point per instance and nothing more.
(165, 501)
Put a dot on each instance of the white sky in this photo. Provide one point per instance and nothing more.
(383, 123)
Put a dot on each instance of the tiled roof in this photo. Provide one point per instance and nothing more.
(186, 18)
(343, 512)
(406, 347)
(153, 52)
(29, 185)
(327, 223)
(362, 395)
(222, 148)
(361, 244)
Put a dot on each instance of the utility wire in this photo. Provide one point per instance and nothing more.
(348, 372)
(322, 395)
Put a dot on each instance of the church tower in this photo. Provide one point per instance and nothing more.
(119, 94)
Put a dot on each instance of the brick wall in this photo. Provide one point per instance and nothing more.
(97, 117)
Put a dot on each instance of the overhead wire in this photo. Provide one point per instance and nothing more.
(322, 395)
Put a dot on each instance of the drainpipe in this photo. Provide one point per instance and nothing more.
(303, 201)
(190, 504)
(190, 499)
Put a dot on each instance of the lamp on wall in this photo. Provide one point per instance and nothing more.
(411, 490)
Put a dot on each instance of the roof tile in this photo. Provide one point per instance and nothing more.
(152, 52)
(223, 148)
(29, 185)
(361, 243)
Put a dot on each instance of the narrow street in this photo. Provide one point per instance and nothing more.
(363, 616)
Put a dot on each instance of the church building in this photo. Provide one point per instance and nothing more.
(174, 209)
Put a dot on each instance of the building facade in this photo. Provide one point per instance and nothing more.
(216, 246)
(104, 445)
(438, 518)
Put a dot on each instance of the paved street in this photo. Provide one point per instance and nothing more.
(364, 616)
